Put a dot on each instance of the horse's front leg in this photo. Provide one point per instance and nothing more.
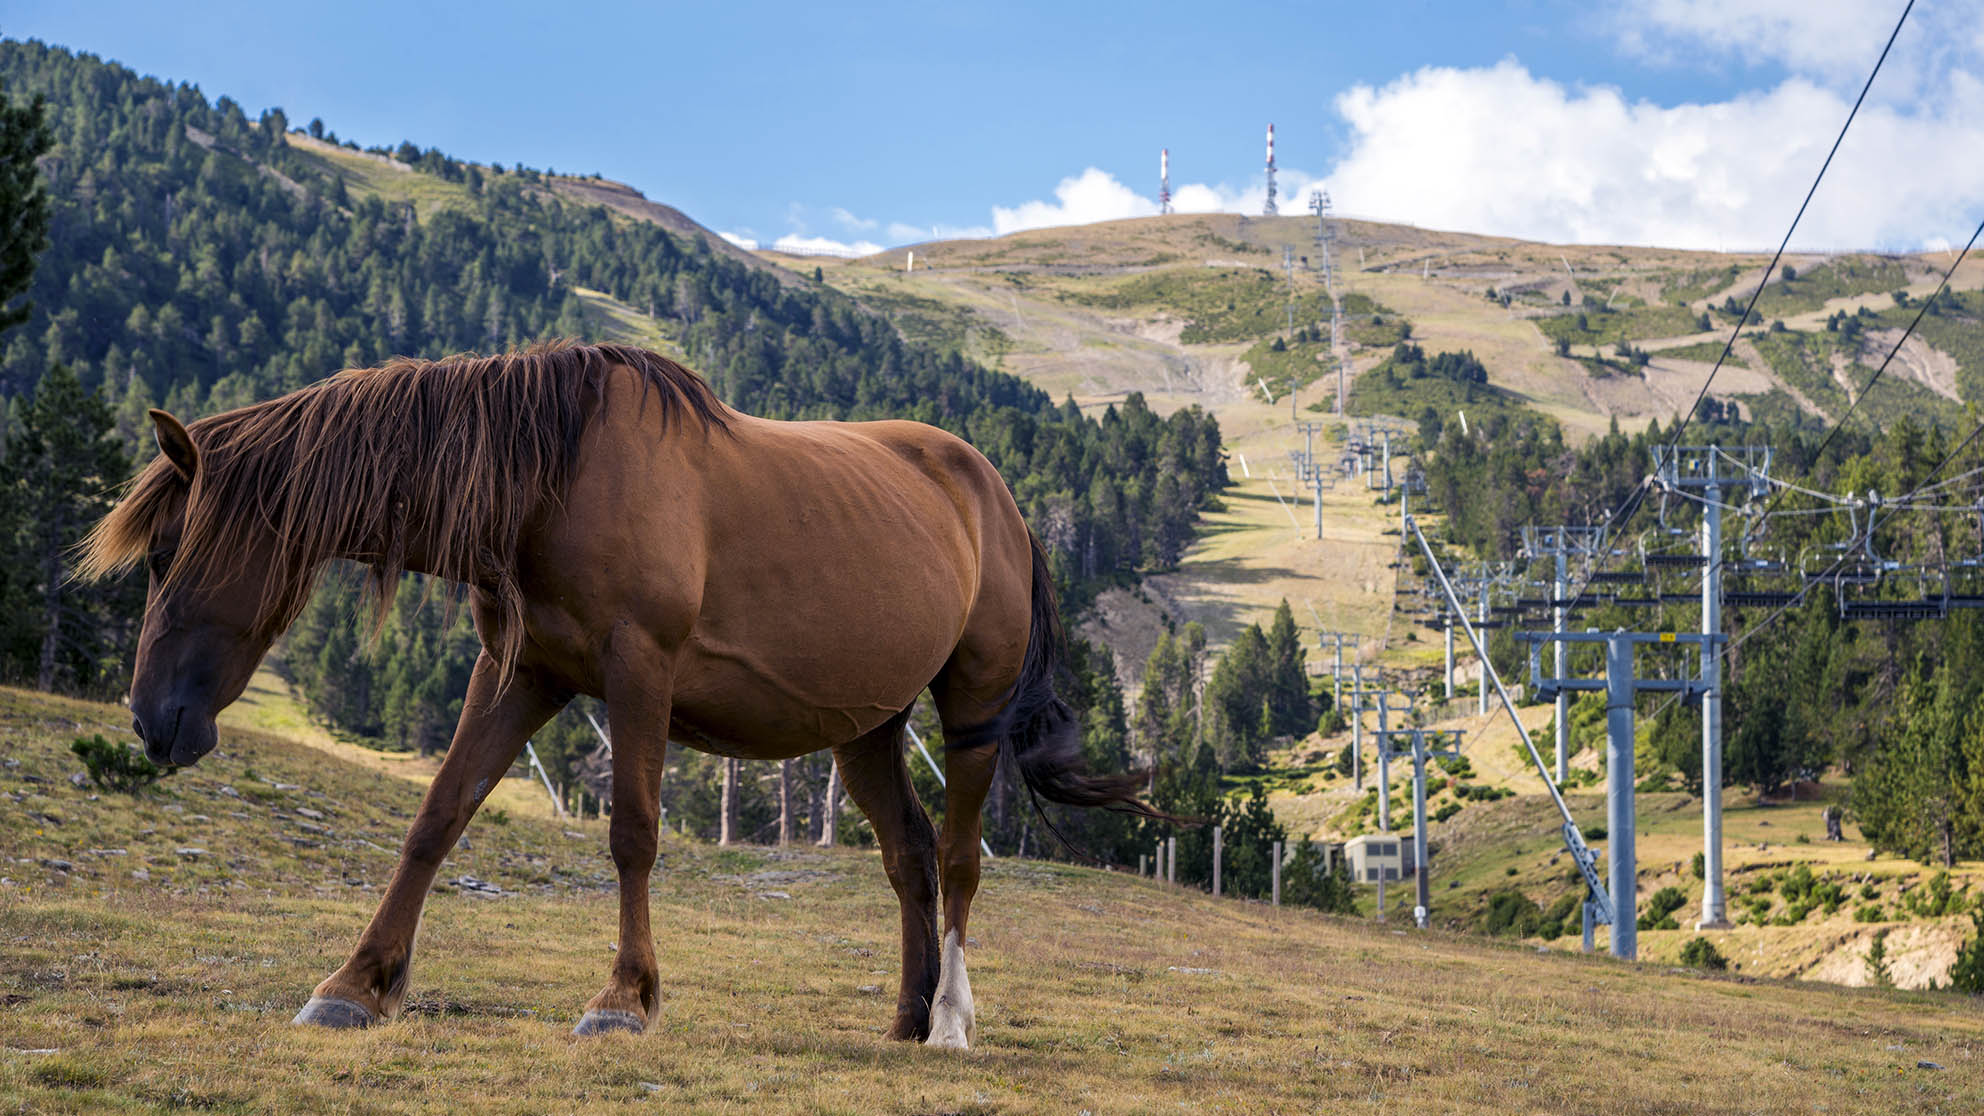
(640, 703)
(492, 730)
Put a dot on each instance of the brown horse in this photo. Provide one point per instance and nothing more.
(749, 588)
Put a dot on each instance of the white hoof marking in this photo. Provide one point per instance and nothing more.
(952, 1022)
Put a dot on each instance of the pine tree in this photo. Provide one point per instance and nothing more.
(1239, 701)
(1288, 680)
(1909, 798)
(1151, 728)
(62, 464)
(1249, 837)
(24, 137)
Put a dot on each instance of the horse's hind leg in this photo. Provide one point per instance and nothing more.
(493, 728)
(968, 775)
(877, 779)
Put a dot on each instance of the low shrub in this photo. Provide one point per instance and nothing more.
(117, 767)
(1701, 953)
(1660, 907)
(1511, 914)
(1967, 972)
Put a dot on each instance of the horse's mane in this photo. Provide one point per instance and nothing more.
(472, 448)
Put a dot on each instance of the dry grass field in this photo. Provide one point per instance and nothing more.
(137, 975)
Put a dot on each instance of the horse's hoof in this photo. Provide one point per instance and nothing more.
(948, 1038)
(602, 1021)
(329, 1011)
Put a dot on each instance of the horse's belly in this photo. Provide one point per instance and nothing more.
(779, 700)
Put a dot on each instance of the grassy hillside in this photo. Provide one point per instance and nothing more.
(141, 976)
(1184, 309)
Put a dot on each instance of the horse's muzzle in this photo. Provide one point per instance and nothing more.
(171, 738)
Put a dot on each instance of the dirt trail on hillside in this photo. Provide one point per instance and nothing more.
(1917, 361)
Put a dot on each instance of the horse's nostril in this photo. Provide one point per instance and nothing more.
(138, 726)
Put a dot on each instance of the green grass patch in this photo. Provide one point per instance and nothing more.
(1596, 325)
(1777, 407)
(1840, 278)
(944, 325)
(364, 173)
(1689, 286)
(1394, 389)
(1291, 365)
(1225, 304)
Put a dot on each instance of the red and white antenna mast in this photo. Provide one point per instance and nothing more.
(1269, 209)
(1164, 181)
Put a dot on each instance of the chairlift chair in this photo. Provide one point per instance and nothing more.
(1654, 559)
(1931, 600)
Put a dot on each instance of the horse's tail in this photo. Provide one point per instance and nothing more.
(1043, 737)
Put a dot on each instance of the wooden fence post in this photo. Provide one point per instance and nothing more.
(1277, 873)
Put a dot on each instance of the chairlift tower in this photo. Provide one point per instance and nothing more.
(1413, 481)
(1716, 473)
(1423, 744)
(1485, 579)
(1324, 639)
(1447, 622)
(1599, 907)
(1563, 544)
(1358, 711)
(1620, 686)
(1363, 701)
(1319, 204)
(1383, 745)
(1312, 472)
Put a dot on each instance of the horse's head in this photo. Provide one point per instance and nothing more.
(204, 629)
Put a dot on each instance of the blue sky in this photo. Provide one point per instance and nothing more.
(1686, 122)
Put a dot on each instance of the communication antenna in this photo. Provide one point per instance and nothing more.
(1269, 209)
(1319, 204)
(1164, 181)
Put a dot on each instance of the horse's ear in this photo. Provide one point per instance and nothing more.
(176, 444)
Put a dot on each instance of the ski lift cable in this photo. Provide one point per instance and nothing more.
(1624, 515)
(1633, 505)
(1902, 340)
(1786, 242)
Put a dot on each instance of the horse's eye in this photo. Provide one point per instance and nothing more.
(160, 562)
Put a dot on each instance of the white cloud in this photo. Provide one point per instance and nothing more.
(1833, 42)
(848, 220)
(1830, 37)
(1499, 150)
(1091, 196)
(747, 243)
(793, 242)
